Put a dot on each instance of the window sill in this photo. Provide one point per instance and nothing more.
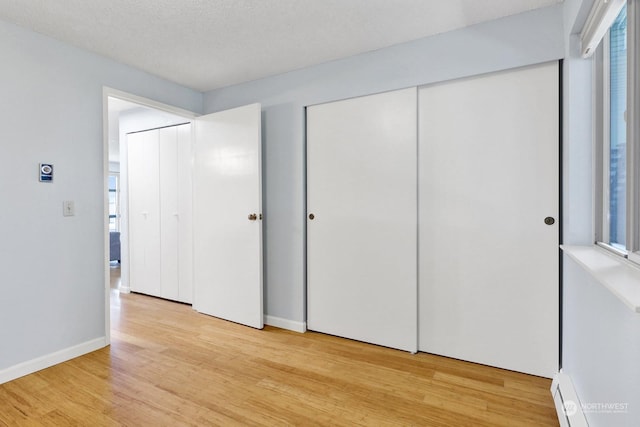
(615, 273)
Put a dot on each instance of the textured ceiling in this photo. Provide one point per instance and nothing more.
(207, 44)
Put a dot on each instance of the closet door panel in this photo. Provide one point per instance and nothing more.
(144, 212)
(185, 214)
(361, 243)
(489, 176)
(169, 208)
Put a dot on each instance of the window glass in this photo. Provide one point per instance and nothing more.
(618, 131)
(114, 208)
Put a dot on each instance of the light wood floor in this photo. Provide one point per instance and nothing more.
(170, 366)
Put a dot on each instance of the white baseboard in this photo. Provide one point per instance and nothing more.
(34, 365)
(124, 289)
(568, 406)
(281, 323)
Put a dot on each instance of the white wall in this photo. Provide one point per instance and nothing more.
(577, 132)
(515, 41)
(601, 345)
(601, 340)
(52, 267)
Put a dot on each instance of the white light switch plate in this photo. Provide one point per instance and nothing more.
(68, 208)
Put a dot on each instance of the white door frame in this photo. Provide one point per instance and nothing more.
(145, 102)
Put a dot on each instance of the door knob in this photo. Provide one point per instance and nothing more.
(253, 217)
(311, 216)
(549, 220)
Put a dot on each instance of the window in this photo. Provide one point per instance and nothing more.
(617, 141)
(617, 117)
(114, 205)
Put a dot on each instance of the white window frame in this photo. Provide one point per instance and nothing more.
(602, 139)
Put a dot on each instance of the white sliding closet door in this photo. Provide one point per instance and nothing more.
(361, 228)
(489, 176)
(228, 215)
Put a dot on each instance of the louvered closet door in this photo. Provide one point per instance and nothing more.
(361, 242)
(489, 176)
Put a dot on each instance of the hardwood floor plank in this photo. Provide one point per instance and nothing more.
(169, 365)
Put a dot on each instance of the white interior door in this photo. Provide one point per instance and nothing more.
(144, 212)
(227, 215)
(489, 177)
(362, 240)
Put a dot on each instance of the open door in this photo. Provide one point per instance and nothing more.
(228, 215)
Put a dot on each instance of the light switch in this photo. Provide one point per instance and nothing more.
(68, 208)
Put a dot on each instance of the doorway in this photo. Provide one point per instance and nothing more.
(225, 157)
(124, 113)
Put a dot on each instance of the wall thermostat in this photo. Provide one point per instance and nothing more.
(46, 172)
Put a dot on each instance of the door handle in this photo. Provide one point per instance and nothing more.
(549, 220)
(253, 217)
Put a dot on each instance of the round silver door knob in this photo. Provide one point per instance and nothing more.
(549, 220)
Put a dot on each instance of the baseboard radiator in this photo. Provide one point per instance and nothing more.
(568, 405)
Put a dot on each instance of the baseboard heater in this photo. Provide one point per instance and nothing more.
(567, 403)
